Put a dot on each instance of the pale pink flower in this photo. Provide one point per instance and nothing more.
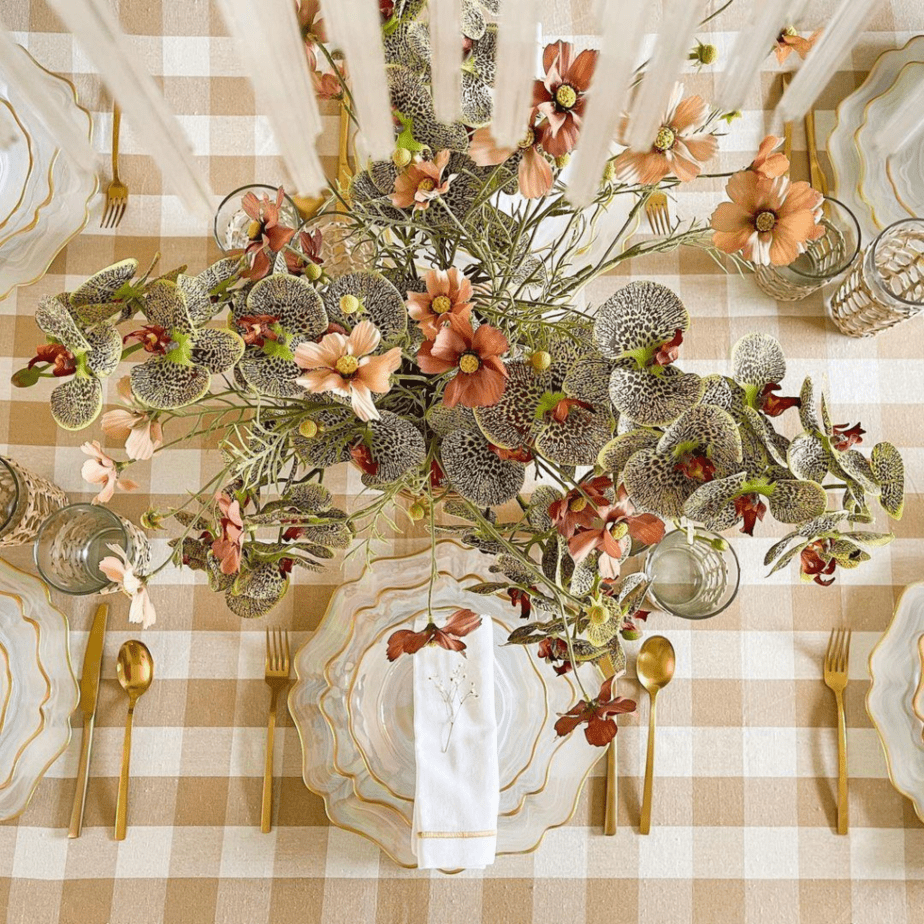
(141, 434)
(344, 366)
(229, 547)
(103, 470)
(534, 174)
(120, 571)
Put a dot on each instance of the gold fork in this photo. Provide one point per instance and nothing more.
(659, 216)
(116, 191)
(837, 659)
(277, 678)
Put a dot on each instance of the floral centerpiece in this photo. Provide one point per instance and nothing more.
(456, 359)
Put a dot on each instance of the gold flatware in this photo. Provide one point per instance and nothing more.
(116, 191)
(658, 213)
(787, 126)
(655, 668)
(816, 174)
(837, 659)
(135, 668)
(612, 791)
(278, 663)
(89, 691)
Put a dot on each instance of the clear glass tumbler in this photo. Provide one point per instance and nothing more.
(26, 499)
(232, 223)
(73, 541)
(887, 286)
(693, 578)
(822, 261)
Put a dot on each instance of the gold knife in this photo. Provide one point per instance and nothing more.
(89, 690)
(817, 175)
(787, 126)
(610, 812)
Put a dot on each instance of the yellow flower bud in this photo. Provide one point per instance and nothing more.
(540, 360)
(417, 511)
(562, 160)
(401, 157)
(313, 272)
(349, 304)
(598, 614)
(308, 429)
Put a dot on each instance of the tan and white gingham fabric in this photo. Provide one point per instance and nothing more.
(744, 806)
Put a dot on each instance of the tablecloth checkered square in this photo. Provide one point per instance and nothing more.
(744, 813)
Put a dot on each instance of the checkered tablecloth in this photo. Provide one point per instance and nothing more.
(745, 795)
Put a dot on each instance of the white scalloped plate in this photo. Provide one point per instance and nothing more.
(842, 149)
(895, 668)
(385, 820)
(40, 664)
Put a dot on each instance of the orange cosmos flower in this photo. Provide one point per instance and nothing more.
(481, 376)
(448, 296)
(769, 221)
(421, 183)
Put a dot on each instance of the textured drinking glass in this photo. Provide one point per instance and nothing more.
(886, 286)
(695, 579)
(822, 261)
(73, 541)
(232, 222)
(26, 499)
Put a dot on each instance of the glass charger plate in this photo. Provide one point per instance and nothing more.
(895, 669)
(57, 205)
(376, 731)
(845, 157)
(875, 184)
(46, 653)
(378, 820)
(16, 162)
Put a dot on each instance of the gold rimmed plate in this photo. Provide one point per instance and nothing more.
(386, 826)
(16, 162)
(45, 654)
(57, 202)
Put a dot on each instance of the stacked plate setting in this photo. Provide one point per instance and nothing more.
(354, 710)
(44, 193)
(879, 189)
(38, 691)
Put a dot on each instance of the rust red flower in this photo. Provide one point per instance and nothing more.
(555, 652)
(596, 715)
(669, 350)
(362, 456)
(843, 437)
(560, 96)
(560, 412)
(772, 404)
(153, 337)
(460, 624)
(521, 599)
(256, 329)
(481, 375)
(617, 525)
(580, 506)
(696, 466)
(63, 361)
(813, 565)
(750, 508)
(520, 454)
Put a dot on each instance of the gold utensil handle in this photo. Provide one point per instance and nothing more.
(609, 820)
(122, 801)
(816, 174)
(841, 765)
(645, 824)
(116, 127)
(266, 811)
(83, 775)
(787, 126)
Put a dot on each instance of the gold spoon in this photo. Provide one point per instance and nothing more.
(135, 668)
(655, 668)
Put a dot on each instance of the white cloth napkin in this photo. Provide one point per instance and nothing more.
(457, 790)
